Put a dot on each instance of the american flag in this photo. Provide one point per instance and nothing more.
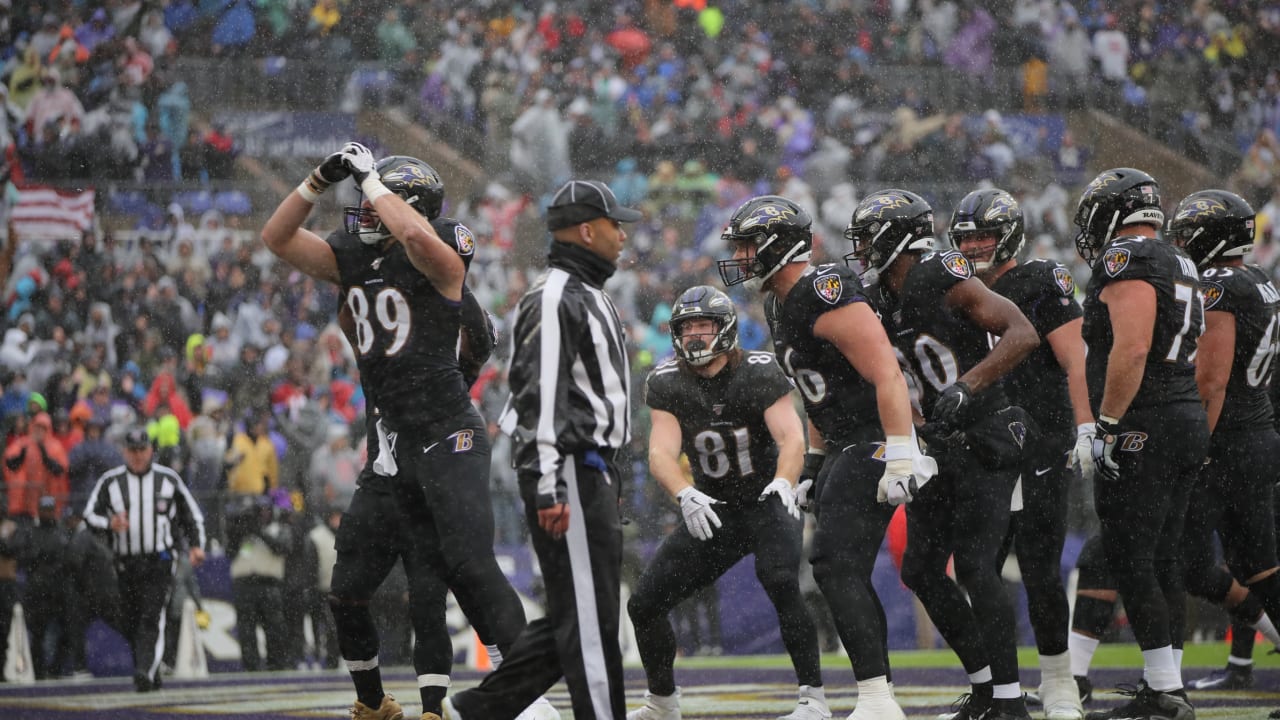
(48, 213)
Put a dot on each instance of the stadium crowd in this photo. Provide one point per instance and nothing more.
(236, 364)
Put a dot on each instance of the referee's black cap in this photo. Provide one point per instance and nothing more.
(137, 438)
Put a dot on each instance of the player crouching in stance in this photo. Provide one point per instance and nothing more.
(830, 342)
(731, 413)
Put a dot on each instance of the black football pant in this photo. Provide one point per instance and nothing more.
(1037, 534)
(1159, 453)
(449, 462)
(1234, 497)
(684, 565)
(578, 638)
(385, 522)
(145, 583)
(849, 531)
(964, 512)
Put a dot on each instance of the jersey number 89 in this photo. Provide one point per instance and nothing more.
(392, 313)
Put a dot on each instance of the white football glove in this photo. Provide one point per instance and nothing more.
(898, 483)
(803, 501)
(695, 505)
(360, 161)
(782, 488)
(1084, 450)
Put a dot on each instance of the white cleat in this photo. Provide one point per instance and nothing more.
(1061, 698)
(540, 709)
(877, 708)
(657, 707)
(812, 705)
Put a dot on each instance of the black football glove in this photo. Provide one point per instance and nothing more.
(805, 492)
(333, 170)
(952, 401)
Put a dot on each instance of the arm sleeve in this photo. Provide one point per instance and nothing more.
(16, 457)
(556, 340)
(97, 511)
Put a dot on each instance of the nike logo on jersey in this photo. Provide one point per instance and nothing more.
(427, 449)
(376, 262)
(1043, 472)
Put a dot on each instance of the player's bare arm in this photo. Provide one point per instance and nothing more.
(1214, 355)
(856, 331)
(788, 432)
(999, 316)
(1132, 306)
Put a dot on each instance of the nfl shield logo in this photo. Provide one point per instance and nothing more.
(717, 408)
(957, 265)
(828, 288)
(1065, 282)
(1115, 260)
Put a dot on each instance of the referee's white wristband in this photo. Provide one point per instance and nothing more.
(307, 193)
(373, 188)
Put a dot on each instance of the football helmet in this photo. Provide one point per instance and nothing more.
(991, 213)
(885, 225)
(781, 232)
(416, 182)
(1211, 224)
(1117, 197)
(704, 301)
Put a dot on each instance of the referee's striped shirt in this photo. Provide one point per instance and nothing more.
(155, 503)
(570, 378)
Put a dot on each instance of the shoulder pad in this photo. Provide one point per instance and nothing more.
(457, 235)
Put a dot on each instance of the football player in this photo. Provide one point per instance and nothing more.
(1233, 370)
(987, 226)
(939, 316)
(830, 342)
(426, 498)
(1143, 316)
(731, 413)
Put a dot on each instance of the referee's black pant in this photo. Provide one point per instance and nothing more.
(145, 584)
(578, 638)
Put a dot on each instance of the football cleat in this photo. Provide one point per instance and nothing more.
(1148, 704)
(1061, 698)
(811, 706)
(388, 709)
(967, 707)
(1233, 677)
(540, 709)
(880, 708)
(657, 707)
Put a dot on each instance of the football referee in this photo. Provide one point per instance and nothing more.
(569, 414)
(140, 505)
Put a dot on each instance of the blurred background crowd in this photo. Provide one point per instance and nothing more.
(167, 310)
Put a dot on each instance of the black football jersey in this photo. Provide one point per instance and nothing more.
(406, 331)
(839, 402)
(1248, 294)
(1170, 372)
(1045, 292)
(723, 431)
(938, 344)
